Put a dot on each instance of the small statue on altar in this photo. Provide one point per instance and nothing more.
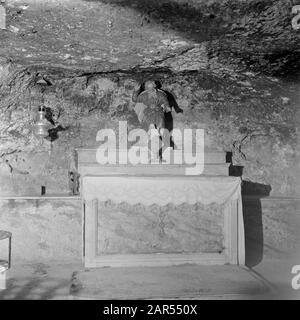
(151, 104)
(154, 107)
(150, 108)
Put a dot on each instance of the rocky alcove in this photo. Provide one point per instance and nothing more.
(233, 67)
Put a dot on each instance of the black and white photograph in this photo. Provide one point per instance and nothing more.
(149, 153)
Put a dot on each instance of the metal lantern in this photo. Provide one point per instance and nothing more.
(42, 125)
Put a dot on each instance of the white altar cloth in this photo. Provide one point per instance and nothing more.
(162, 190)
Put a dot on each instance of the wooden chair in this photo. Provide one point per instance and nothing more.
(5, 265)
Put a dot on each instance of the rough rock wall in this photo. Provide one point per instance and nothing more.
(232, 65)
(254, 118)
(271, 229)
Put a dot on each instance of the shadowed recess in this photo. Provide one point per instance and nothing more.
(257, 32)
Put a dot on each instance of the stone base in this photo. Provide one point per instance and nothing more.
(43, 229)
(2, 279)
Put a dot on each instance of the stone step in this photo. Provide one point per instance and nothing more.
(177, 282)
(210, 169)
(210, 157)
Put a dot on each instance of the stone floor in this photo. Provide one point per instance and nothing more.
(187, 281)
(41, 281)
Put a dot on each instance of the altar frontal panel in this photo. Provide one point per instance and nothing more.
(133, 229)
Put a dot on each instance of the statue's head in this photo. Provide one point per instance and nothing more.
(150, 85)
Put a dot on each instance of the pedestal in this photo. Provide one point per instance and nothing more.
(3, 273)
(149, 215)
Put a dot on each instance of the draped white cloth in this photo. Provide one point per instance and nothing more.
(162, 190)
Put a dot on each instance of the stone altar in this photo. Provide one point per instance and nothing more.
(157, 216)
